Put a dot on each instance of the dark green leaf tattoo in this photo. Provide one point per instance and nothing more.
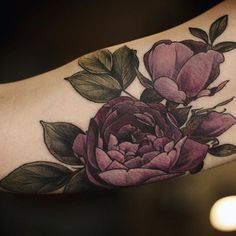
(217, 28)
(225, 46)
(199, 33)
(149, 95)
(223, 150)
(98, 88)
(37, 177)
(147, 83)
(125, 62)
(99, 62)
(181, 114)
(79, 183)
(59, 138)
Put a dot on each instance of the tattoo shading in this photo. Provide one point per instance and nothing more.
(130, 140)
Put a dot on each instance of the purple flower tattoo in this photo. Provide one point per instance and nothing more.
(134, 141)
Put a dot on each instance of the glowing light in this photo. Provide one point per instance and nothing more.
(223, 214)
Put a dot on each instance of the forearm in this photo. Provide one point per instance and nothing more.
(115, 146)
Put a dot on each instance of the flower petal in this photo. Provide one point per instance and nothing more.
(134, 163)
(94, 178)
(216, 124)
(116, 155)
(79, 145)
(129, 178)
(92, 143)
(162, 177)
(144, 119)
(113, 142)
(161, 161)
(169, 146)
(212, 91)
(192, 153)
(168, 89)
(159, 143)
(147, 157)
(116, 165)
(128, 147)
(196, 46)
(199, 71)
(103, 159)
(165, 59)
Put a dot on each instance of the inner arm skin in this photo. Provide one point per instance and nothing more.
(50, 98)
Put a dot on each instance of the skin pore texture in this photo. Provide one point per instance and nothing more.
(50, 98)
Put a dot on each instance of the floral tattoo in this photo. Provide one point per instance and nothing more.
(133, 141)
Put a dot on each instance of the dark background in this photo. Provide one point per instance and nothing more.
(37, 36)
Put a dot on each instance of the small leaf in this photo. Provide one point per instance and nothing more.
(224, 46)
(197, 169)
(224, 102)
(79, 183)
(181, 115)
(143, 80)
(125, 62)
(171, 105)
(204, 140)
(36, 177)
(199, 33)
(95, 87)
(59, 138)
(223, 150)
(97, 62)
(150, 96)
(218, 27)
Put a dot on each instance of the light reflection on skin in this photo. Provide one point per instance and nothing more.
(223, 214)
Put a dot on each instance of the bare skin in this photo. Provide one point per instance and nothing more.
(49, 97)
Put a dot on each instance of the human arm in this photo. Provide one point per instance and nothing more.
(50, 98)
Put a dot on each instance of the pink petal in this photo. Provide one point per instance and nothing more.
(151, 137)
(79, 145)
(109, 120)
(134, 163)
(201, 70)
(92, 137)
(116, 165)
(144, 119)
(116, 155)
(103, 159)
(169, 146)
(158, 131)
(161, 161)
(93, 179)
(113, 142)
(212, 91)
(129, 178)
(178, 148)
(191, 155)
(100, 142)
(216, 124)
(165, 59)
(168, 89)
(159, 143)
(145, 148)
(147, 157)
(128, 147)
(162, 177)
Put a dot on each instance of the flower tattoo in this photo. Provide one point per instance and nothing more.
(132, 141)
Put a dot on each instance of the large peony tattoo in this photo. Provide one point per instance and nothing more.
(130, 142)
(133, 141)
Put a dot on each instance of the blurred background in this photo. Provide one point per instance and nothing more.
(37, 36)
